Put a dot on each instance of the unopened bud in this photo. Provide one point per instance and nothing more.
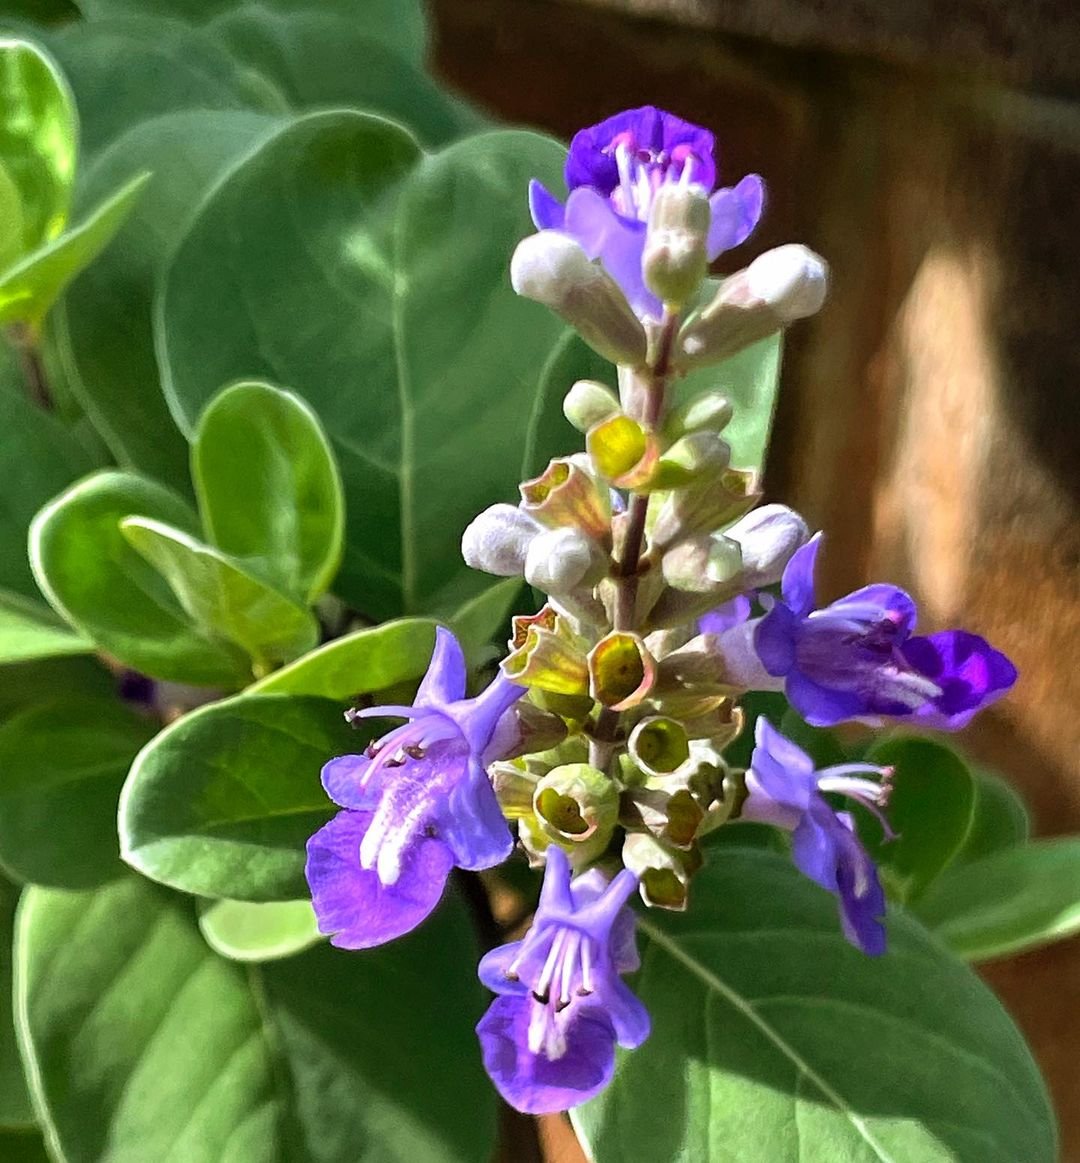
(674, 262)
(791, 280)
(664, 872)
(588, 402)
(565, 494)
(688, 458)
(622, 451)
(709, 412)
(552, 269)
(706, 564)
(576, 804)
(498, 540)
(768, 537)
(559, 560)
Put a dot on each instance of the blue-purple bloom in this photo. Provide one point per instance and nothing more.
(858, 657)
(784, 789)
(549, 1039)
(612, 173)
(417, 803)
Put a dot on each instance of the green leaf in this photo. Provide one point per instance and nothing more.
(221, 598)
(22, 684)
(104, 588)
(1000, 821)
(39, 456)
(259, 931)
(64, 764)
(146, 1045)
(12, 224)
(774, 1039)
(387, 305)
(103, 324)
(1016, 898)
(750, 380)
(15, 1108)
(223, 801)
(38, 134)
(361, 663)
(23, 1147)
(29, 631)
(930, 810)
(268, 487)
(486, 616)
(29, 289)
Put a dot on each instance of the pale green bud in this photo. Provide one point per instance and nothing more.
(621, 671)
(588, 402)
(576, 803)
(674, 261)
(711, 412)
(710, 564)
(665, 872)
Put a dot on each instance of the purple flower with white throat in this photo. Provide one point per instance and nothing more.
(613, 173)
(859, 658)
(549, 1039)
(416, 803)
(785, 790)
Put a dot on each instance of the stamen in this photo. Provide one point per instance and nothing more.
(542, 992)
(569, 964)
(586, 986)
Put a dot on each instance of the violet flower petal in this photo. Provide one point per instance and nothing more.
(548, 213)
(736, 211)
(446, 676)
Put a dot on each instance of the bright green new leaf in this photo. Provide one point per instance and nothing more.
(29, 289)
(1000, 821)
(104, 588)
(361, 663)
(259, 930)
(63, 765)
(29, 631)
(221, 598)
(1016, 898)
(147, 1046)
(930, 810)
(268, 487)
(38, 140)
(387, 305)
(774, 1039)
(223, 801)
(15, 1108)
(103, 323)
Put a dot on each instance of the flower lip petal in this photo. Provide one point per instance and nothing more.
(548, 213)
(444, 682)
(797, 586)
(470, 822)
(736, 211)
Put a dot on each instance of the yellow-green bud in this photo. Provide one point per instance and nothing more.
(621, 671)
(576, 803)
(588, 402)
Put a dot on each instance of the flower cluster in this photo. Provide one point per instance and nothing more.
(602, 740)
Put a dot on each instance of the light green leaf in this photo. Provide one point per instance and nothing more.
(64, 763)
(259, 931)
(29, 631)
(104, 588)
(750, 380)
(930, 810)
(145, 1045)
(387, 305)
(361, 663)
(774, 1039)
(38, 135)
(223, 801)
(12, 225)
(220, 597)
(268, 487)
(15, 1108)
(29, 289)
(103, 323)
(1000, 821)
(1016, 898)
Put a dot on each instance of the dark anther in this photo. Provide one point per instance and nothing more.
(560, 1005)
(542, 998)
(414, 751)
(583, 992)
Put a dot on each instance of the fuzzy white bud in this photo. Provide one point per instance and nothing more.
(791, 279)
(498, 540)
(560, 560)
(768, 537)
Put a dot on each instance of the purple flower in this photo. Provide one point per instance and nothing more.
(417, 803)
(549, 1039)
(858, 658)
(612, 173)
(786, 790)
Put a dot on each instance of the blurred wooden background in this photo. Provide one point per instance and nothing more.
(930, 419)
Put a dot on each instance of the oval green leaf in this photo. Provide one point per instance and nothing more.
(38, 139)
(98, 582)
(223, 801)
(64, 764)
(268, 487)
(361, 663)
(775, 1039)
(1001, 818)
(29, 631)
(143, 1044)
(259, 930)
(1014, 899)
(221, 598)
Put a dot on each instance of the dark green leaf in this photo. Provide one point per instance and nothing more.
(147, 1046)
(29, 631)
(15, 1108)
(774, 1039)
(223, 802)
(1000, 820)
(64, 764)
(268, 487)
(1016, 898)
(95, 579)
(361, 663)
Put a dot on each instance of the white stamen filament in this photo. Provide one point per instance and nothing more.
(543, 985)
(569, 964)
(586, 967)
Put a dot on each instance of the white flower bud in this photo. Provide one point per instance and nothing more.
(791, 279)
(498, 540)
(551, 268)
(559, 560)
(674, 263)
(768, 536)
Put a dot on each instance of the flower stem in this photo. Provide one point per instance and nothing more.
(25, 342)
